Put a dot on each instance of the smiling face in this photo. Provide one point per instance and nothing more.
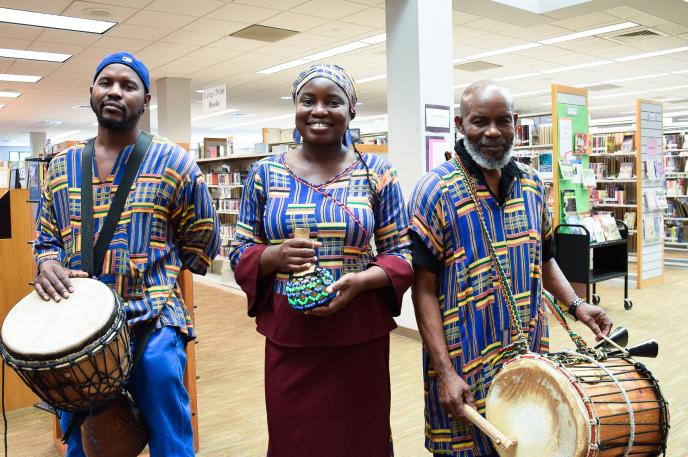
(118, 97)
(487, 120)
(322, 112)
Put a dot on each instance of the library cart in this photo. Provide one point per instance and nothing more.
(588, 263)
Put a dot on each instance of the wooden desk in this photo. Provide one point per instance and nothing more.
(16, 271)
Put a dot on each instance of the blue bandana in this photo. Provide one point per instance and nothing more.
(124, 58)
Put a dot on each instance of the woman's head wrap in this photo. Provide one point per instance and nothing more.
(334, 73)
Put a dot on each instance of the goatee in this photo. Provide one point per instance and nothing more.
(488, 164)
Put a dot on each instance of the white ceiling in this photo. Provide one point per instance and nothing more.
(189, 39)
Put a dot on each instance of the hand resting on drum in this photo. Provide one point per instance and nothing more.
(454, 394)
(52, 280)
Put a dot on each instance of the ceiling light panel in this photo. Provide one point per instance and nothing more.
(370, 79)
(338, 50)
(375, 39)
(284, 66)
(208, 116)
(9, 94)
(33, 55)
(20, 78)
(497, 52)
(54, 21)
(652, 54)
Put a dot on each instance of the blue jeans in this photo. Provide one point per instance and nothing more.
(157, 386)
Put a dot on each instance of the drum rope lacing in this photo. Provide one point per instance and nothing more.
(520, 346)
(629, 406)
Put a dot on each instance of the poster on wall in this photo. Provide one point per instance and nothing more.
(435, 149)
(437, 118)
(565, 138)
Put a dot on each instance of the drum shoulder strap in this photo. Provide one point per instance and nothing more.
(92, 256)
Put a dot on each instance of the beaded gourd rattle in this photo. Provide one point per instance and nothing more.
(308, 289)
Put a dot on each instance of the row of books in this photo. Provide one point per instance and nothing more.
(227, 232)
(674, 141)
(601, 227)
(215, 178)
(227, 204)
(675, 187)
(677, 208)
(613, 143)
(610, 194)
(674, 164)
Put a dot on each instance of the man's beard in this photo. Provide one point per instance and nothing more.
(488, 164)
(128, 121)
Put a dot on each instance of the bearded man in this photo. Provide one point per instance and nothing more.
(462, 309)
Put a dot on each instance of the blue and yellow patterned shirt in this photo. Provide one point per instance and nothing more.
(168, 223)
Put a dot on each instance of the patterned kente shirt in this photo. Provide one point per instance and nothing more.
(168, 223)
(475, 318)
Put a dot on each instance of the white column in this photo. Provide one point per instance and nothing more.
(419, 73)
(144, 122)
(37, 142)
(174, 109)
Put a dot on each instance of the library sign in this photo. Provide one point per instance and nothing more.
(215, 99)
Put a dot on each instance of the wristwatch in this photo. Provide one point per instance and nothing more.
(573, 306)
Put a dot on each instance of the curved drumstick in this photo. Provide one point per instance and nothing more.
(497, 437)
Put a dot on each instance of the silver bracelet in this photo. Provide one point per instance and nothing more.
(573, 306)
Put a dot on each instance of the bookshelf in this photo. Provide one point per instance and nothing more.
(281, 140)
(675, 150)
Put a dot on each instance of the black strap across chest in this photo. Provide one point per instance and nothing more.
(92, 256)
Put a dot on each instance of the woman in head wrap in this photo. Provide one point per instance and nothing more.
(327, 356)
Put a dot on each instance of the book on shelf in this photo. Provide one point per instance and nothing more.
(574, 219)
(588, 178)
(627, 144)
(600, 169)
(568, 199)
(523, 135)
(544, 164)
(609, 227)
(660, 198)
(583, 144)
(625, 170)
(566, 170)
(629, 220)
(660, 173)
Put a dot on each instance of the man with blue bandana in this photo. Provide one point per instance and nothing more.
(168, 223)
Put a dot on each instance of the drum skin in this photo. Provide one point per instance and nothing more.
(553, 409)
(117, 432)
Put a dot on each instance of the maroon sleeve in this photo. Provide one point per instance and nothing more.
(247, 276)
(400, 276)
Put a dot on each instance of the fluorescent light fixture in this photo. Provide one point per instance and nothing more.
(260, 121)
(496, 52)
(652, 54)
(2, 106)
(577, 67)
(33, 55)
(594, 108)
(153, 107)
(461, 86)
(587, 33)
(286, 97)
(534, 92)
(208, 116)
(459, 59)
(375, 39)
(620, 94)
(338, 50)
(64, 135)
(54, 21)
(20, 78)
(662, 89)
(9, 94)
(521, 76)
(199, 91)
(680, 72)
(370, 79)
(284, 66)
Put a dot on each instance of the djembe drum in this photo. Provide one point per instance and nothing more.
(76, 356)
(568, 404)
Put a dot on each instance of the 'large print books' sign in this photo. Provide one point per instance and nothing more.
(215, 99)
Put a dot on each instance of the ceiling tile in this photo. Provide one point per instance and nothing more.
(329, 9)
(239, 44)
(39, 6)
(22, 32)
(294, 21)
(12, 43)
(215, 54)
(69, 37)
(587, 21)
(116, 44)
(137, 31)
(372, 17)
(47, 46)
(281, 4)
(342, 30)
(117, 13)
(162, 20)
(244, 13)
(170, 48)
(189, 8)
(205, 25)
(187, 37)
(138, 4)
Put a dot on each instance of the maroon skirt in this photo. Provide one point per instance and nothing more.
(328, 401)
